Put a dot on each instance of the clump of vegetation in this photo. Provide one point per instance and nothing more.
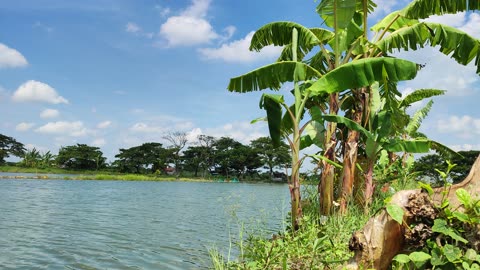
(453, 238)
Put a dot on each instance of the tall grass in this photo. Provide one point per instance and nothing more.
(320, 243)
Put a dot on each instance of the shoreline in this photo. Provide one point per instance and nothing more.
(101, 177)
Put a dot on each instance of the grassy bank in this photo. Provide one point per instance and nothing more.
(61, 174)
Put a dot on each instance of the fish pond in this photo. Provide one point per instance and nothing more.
(68, 224)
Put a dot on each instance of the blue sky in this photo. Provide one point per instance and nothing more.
(117, 73)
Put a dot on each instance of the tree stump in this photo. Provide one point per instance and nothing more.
(382, 238)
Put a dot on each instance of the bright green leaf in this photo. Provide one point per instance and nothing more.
(364, 72)
(396, 212)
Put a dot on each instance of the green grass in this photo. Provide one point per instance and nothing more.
(56, 173)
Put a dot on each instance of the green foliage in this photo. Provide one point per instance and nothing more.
(138, 159)
(10, 146)
(364, 72)
(320, 243)
(453, 244)
(453, 42)
(429, 165)
(81, 157)
(421, 9)
(271, 76)
(396, 212)
(271, 156)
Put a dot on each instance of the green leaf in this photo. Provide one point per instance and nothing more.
(399, 22)
(260, 119)
(437, 257)
(453, 42)
(280, 34)
(470, 255)
(440, 226)
(321, 157)
(416, 120)
(315, 134)
(464, 197)
(337, 13)
(347, 122)
(421, 9)
(396, 212)
(272, 104)
(364, 72)
(452, 253)
(402, 258)
(271, 76)
(420, 94)
(408, 146)
(426, 187)
(419, 256)
(461, 216)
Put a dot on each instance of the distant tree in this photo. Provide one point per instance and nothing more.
(224, 156)
(208, 145)
(232, 156)
(81, 157)
(271, 156)
(427, 165)
(9, 146)
(194, 159)
(148, 156)
(178, 141)
(464, 164)
(31, 158)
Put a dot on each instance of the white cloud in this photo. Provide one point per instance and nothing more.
(38, 92)
(73, 129)
(463, 127)
(104, 124)
(132, 28)
(190, 27)
(237, 51)
(243, 132)
(11, 58)
(163, 11)
(454, 20)
(137, 30)
(193, 134)
(99, 142)
(30, 146)
(49, 113)
(24, 126)
(471, 27)
(385, 7)
(145, 128)
(43, 27)
(465, 147)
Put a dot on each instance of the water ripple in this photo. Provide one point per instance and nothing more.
(125, 225)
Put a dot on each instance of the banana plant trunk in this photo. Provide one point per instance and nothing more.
(351, 150)
(369, 185)
(325, 187)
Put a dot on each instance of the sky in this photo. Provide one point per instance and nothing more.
(118, 73)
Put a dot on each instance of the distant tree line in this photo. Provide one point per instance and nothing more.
(205, 156)
(428, 165)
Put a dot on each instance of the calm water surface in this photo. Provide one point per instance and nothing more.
(56, 224)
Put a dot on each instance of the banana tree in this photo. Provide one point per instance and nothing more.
(273, 76)
(405, 32)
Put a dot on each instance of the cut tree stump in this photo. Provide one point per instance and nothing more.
(382, 238)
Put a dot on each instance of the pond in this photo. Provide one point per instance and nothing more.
(58, 224)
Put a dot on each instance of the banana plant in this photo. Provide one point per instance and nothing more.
(345, 62)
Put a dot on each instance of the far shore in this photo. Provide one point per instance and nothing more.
(62, 174)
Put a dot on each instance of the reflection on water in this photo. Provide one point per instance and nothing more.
(56, 224)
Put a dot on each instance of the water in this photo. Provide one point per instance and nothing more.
(57, 224)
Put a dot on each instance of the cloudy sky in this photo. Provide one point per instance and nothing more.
(117, 73)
